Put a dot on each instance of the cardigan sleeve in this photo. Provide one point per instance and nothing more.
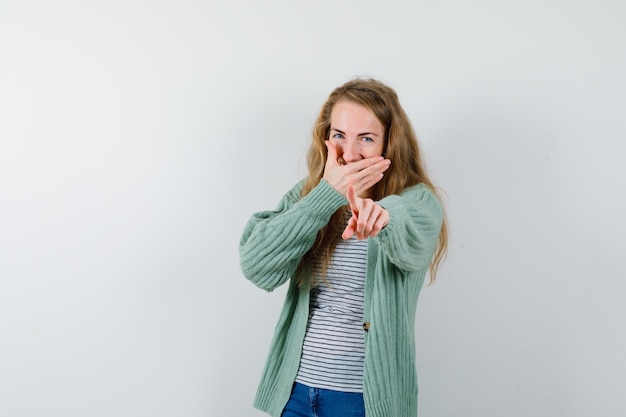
(274, 242)
(415, 218)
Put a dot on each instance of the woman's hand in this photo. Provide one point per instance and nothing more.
(362, 175)
(368, 218)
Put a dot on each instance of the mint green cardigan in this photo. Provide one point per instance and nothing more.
(271, 247)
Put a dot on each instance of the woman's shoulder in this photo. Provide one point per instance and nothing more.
(418, 195)
(420, 189)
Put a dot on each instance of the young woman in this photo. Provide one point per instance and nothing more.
(355, 240)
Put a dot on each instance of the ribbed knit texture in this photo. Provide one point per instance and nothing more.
(272, 244)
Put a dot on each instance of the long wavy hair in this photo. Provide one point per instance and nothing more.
(401, 147)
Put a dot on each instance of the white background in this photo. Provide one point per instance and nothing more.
(137, 137)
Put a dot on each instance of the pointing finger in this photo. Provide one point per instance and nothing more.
(352, 199)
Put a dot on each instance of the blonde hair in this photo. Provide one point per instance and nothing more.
(401, 147)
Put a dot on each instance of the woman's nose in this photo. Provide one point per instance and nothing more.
(351, 151)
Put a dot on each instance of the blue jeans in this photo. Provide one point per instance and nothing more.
(306, 401)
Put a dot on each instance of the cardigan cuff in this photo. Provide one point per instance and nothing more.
(323, 199)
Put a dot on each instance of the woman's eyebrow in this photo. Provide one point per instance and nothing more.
(360, 134)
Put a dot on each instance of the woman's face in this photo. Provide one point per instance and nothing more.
(356, 132)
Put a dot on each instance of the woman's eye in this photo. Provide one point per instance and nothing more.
(338, 136)
(367, 139)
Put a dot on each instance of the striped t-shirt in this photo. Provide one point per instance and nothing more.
(333, 353)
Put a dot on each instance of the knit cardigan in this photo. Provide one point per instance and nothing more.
(271, 247)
